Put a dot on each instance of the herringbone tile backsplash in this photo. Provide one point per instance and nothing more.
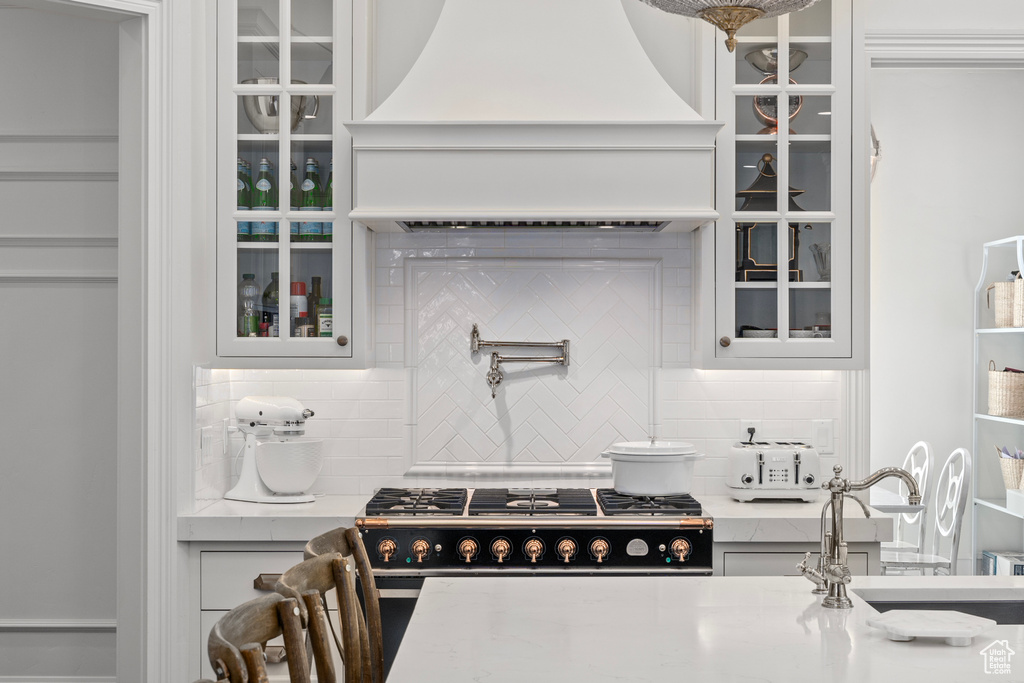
(624, 303)
(542, 412)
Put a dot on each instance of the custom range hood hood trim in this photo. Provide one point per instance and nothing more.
(588, 130)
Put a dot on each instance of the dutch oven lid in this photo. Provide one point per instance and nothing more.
(652, 446)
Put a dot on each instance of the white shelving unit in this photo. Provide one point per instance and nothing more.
(994, 526)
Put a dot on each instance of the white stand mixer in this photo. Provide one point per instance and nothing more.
(266, 419)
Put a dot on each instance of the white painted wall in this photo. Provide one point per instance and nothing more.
(58, 298)
(949, 180)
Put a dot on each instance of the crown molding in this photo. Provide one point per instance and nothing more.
(946, 50)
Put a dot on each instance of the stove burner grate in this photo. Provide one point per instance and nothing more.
(511, 502)
(388, 501)
(615, 503)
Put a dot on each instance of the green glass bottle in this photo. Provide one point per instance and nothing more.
(329, 204)
(325, 318)
(244, 203)
(311, 231)
(264, 199)
(315, 293)
(296, 193)
(295, 199)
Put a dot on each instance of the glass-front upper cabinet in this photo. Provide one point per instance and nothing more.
(783, 242)
(284, 261)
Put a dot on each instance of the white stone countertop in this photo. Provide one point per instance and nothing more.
(232, 520)
(759, 522)
(669, 628)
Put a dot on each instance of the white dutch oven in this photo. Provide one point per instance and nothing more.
(652, 468)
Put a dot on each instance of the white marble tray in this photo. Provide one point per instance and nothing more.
(956, 628)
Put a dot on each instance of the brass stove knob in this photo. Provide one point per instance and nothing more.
(680, 549)
(387, 548)
(501, 549)
(599, 548)
(566, 548)
(420, 548)
(468, 548)
(534, 547)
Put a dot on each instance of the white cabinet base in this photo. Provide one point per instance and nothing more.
(781, 559)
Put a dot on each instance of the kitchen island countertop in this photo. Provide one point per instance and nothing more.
(768, 521)
(660, 628)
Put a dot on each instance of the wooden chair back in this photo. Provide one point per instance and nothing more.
(311, 580)
(236, 643)
(362, 624)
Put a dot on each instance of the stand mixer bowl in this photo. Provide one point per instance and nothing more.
(289, 467)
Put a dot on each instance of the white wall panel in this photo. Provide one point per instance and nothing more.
(58, 298)
(57, 89)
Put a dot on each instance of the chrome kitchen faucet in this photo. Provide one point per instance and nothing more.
(833, 574)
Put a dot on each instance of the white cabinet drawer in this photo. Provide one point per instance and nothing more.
(226, 578)
(781, 564)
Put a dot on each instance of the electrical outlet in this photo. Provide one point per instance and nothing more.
(824, 436)
(224, 437)
(206, 444)
(747, 424)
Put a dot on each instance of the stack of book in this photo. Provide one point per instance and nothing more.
(1002, 563)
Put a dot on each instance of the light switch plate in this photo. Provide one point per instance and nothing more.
(824, 436)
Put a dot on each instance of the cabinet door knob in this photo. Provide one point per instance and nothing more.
(725, 341)
(342, 340)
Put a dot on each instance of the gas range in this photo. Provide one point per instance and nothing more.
(452, 531)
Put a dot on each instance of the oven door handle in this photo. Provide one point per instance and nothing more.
(386, 593)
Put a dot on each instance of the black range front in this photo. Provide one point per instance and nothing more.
(415, 533)
(518, 531)
(529, 549)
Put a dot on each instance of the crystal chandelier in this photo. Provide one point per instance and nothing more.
(730, 15)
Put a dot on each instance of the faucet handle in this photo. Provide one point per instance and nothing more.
(802, 567)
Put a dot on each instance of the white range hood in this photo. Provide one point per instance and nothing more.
(533, 113)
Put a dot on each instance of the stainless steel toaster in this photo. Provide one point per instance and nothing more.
(774, 469)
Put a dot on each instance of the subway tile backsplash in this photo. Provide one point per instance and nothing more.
(369, 418)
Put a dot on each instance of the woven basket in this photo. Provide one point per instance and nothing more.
(1005, 302)
(1005, 392)
(1013, 472)
(1018, 302)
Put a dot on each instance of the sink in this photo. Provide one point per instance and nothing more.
(1002, 605)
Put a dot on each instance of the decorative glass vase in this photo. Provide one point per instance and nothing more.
(822, 254)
